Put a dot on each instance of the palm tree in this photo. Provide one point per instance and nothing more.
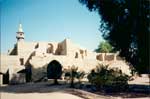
(80, 75)
(73, 73)
(104, 47)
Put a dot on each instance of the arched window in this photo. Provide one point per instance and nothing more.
(76, 55)
(37, 46)
(82, 52)
(50, 48)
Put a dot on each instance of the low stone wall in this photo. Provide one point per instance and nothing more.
(108, 57)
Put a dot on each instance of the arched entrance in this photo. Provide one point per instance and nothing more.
(54, 70)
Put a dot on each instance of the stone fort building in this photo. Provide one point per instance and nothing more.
(19, 63)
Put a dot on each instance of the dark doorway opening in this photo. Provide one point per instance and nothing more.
(54, 70)
(28, 72)
(6, 77)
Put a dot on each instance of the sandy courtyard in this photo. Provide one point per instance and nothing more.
(45, 90)
(54, 95)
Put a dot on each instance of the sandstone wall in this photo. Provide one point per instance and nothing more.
(9, 62)
(12, 65)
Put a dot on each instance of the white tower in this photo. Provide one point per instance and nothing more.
(20, 33)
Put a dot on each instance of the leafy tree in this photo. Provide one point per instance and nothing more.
(104, 47)
(125, 24)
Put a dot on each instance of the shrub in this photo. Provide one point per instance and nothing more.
(108, 79)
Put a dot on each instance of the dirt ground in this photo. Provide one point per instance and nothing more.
(45, 90)
(53, 95)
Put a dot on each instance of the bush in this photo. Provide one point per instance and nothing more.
(108, 79)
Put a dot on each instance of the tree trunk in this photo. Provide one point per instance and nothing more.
(55, 82)
(72, 83)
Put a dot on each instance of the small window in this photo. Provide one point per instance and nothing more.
(37, 46)
(21, 61)
(76, 55)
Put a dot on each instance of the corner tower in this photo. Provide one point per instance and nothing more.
(20, 33)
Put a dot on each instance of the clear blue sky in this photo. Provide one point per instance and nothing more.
(49, 20)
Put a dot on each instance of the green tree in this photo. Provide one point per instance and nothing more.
(104, 47)
(125, 24)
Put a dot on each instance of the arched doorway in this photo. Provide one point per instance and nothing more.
(54, 70)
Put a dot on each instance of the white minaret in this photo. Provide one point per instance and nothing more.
(20, 33)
